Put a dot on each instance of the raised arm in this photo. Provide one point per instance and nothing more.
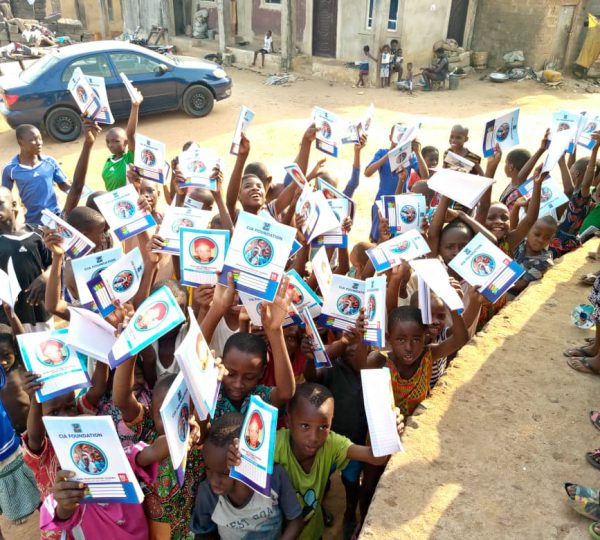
(91, 130)
(565, 175)
(516, 236)
(483, 207)
(35, 427)
(423, 169)
(53, 300)
(133, 119)
(355, 178)
(437, 224)
(459, 337)
(272, 316)
(222, 300)
(528, 167)
(226, 221)
(375, 165)
(590, 170)
(235, 181)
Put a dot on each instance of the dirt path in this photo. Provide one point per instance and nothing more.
(507, 429)
(282, 114)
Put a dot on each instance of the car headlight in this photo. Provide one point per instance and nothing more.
(219, 73)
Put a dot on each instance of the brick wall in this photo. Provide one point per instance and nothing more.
(527, 25)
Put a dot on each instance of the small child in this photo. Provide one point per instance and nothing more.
(459, 135)
(309, 451)
(407, 84)
(63, 513)
(266, 48)
(533, 253)
(231, 508)
(363, 67)
(121, 144)
(397, 59)
(384, 66)
(19, 496)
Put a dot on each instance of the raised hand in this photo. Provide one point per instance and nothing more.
(234, 457)
(316, 170)
(90, 130)
(53, 241)
(273, 314)
(384, 228)
(244, 148)
(137, 98)
(31, 384)
(67, 494)
(224, 296)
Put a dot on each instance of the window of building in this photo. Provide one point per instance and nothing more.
(393, 16)
(272, 2)
(370, 7)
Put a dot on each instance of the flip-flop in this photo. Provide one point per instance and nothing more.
(582, 365)
(593, 458)
(590, 340)
(595, 418)
(584, 501)
(594, 530)
(587, 279)
(581, 350)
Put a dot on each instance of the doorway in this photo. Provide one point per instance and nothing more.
(324, 28)
(458, 20)
(182, 14)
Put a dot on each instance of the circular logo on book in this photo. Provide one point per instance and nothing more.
(196, 166)
(124, 209)
(258, 252)
(203, 250)
(151, 317)
(348, 304)
(562, 126)
(502, 132)
(297, 295)
(81, 94)
(52, 352)
(183, 424)
(88, 458)
(328, 194)
(326, 129)
(546, 194)
(148, 157)
(401, 247)
(122, 281)
(483, 265)
(408, 213)
(255, 433)
(179, 223)
(371, 307)
(590, 128)
(63, 232)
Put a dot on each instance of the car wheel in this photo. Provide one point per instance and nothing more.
(63, 124)
(198, 101)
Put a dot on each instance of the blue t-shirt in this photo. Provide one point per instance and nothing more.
(388, 181)
(35, 185)
(9, 442)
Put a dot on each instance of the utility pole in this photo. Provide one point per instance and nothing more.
(287, 34)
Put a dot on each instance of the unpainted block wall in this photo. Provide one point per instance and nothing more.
(527, 25)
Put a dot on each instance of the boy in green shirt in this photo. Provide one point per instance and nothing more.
(309, 451)
(121, 144)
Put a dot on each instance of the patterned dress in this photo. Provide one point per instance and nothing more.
(225, 406)
(488, 310)
(409, 393)
(594, 299)
(165, 501)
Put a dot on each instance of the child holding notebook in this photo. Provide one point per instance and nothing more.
(121, 144)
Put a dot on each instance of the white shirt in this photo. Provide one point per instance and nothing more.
(268, 44)
(220, 336)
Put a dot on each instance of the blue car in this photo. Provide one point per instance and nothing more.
(39, 94)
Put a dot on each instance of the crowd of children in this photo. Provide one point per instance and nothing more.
(323, 425)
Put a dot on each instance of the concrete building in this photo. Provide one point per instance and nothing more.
(101, 18)
(546, 31)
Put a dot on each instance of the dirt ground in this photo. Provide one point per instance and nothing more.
(282, 114)
(506, 430)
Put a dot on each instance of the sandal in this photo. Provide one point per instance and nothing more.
(595, 531)
(587, 279)
(580, 352)
(583, 500)
(593, 458)
(590, 340)
(595, 418)
(582, 365)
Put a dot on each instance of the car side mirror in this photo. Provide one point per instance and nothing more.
(162, 69)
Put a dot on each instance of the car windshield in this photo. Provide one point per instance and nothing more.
(34, 70)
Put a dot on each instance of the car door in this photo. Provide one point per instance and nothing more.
(98, 65)
(156, 85)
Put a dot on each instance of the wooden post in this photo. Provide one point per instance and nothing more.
(287, 34)
(222, 26)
